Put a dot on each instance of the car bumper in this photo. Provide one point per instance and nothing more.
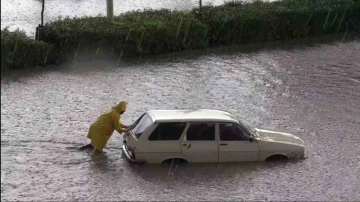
(128, 156)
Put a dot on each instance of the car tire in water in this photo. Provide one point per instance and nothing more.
(277, 158)
(174, 161)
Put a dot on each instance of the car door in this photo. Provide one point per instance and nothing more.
(163, 142)
(235, 145)
(199, 143)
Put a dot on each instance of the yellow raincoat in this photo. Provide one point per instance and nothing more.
(102, 129)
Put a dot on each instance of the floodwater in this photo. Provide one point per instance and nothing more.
(312, 92)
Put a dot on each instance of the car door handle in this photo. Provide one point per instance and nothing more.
(184, 145)
(223, 144)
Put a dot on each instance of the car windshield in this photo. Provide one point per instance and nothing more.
(249, 128)
(140, 125)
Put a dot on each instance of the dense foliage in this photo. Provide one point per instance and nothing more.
(162, 31)
(20, 51)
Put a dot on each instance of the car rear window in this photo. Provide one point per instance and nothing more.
(141, 126)
(167, 131)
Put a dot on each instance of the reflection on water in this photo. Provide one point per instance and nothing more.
(312, 92)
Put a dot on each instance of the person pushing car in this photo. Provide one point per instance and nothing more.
(102, 129)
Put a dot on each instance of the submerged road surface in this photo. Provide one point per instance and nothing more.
(312, 92)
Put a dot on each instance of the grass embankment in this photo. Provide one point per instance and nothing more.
(153, 32)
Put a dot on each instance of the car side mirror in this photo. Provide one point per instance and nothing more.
(251, 139)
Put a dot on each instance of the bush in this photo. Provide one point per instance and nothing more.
(132, 34)
(240, 22)
(150, 32)
(20, 51)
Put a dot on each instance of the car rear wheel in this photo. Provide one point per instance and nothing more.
(175, 161)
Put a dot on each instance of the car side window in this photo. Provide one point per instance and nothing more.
(232, 132)
(201, 132)
(167, 131)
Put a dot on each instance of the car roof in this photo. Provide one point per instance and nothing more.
(192, 115)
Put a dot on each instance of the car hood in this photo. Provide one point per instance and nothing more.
(274, 136)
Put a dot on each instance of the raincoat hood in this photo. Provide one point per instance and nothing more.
(121, 107)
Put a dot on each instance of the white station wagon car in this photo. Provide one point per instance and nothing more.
(204, 136)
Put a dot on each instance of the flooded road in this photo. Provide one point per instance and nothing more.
(312, 92)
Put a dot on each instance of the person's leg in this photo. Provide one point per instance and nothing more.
(89, 146)
(97, 152)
